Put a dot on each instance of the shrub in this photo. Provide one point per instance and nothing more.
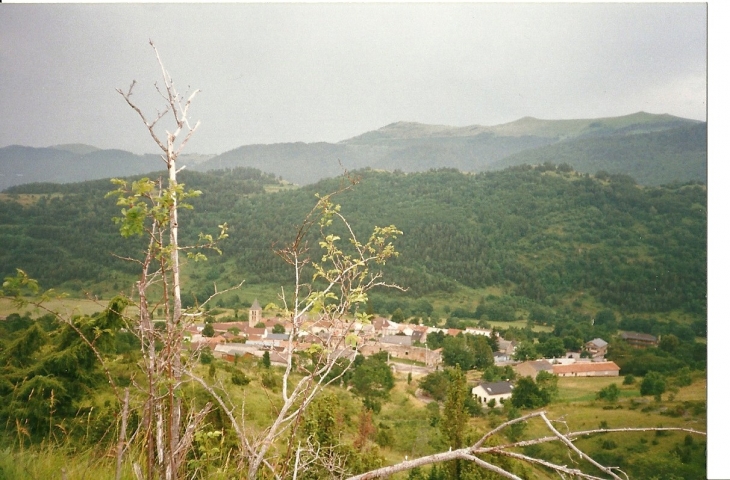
(608, 445)
(609, 393)
(653, 384)
(384, 437)
(239, 378)
(435, 384)
(270, 380)
(206, 356)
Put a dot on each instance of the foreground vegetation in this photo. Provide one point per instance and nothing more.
(405, 426)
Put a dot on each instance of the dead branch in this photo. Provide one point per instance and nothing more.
(471, 453)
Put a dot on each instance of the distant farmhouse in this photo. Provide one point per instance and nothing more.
(533, 367)
(569, 369)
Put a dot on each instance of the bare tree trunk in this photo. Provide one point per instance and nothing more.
(175, 373)
(122, 434)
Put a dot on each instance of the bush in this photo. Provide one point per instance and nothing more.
(629, 379)
(239, 378)
(206, 356)
(435, 384)
(653, 384)
(683, 378)
(270, 380)
(528, 394)
(609, 393)
(608, 445)
(384, 437)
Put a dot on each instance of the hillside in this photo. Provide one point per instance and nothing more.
(654, 149)
(543, 236)
(73, 163)
(653, 158)
(657, 142)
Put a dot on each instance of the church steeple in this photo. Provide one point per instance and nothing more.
(254, 314)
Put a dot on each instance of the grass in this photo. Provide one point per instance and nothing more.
(50, 462)
(66, 306)
(407, 362)
(26, 199)
(520, 324)
(576, 389)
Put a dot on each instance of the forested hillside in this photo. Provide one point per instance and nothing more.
(653, 158)
(547, 234)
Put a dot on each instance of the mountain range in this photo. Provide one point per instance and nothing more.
(653, 149)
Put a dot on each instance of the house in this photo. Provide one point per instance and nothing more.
(478, 331)
(406, 329)
(231, 350)
(639, 339)
(362, 329)
(587, 369)
(507, 347)
(501, 359)
(199, 341)
(497, 391)
(420, 333)
(270, 323)
(224, 327)
(533, 367)
(383, 326)
(597, 348)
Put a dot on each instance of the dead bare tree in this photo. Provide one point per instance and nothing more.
(151, 209)
(472, 453)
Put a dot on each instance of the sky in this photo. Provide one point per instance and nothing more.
(271, 73)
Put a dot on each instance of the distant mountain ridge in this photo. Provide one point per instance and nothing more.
(528, 126)
(416, 147)
(651, 148)
(72, 163)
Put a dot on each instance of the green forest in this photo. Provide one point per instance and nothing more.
(536, 236)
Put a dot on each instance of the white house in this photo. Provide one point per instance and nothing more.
(486, 391)
(478, 331)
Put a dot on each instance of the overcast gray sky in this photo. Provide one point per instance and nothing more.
(326, 72)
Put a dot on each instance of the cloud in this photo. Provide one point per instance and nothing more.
(326, 72)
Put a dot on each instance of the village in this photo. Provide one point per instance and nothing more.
(406, 345)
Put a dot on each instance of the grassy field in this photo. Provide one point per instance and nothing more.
(66, 306)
